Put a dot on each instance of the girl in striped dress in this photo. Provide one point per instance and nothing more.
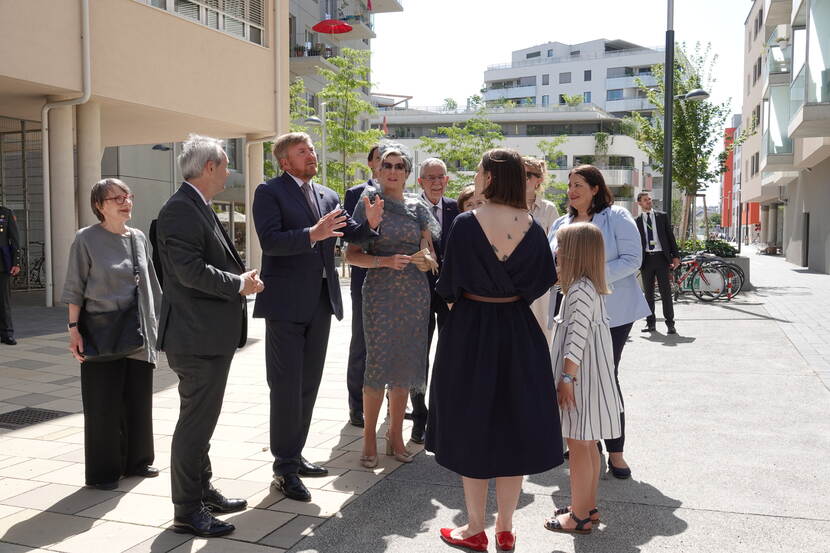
(583, 367)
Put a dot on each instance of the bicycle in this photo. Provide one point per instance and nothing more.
(705, 280)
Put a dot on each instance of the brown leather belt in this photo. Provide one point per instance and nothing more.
(486, 299)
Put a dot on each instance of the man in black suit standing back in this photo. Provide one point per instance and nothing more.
(433, 178)
(356, 365)
(203, 321)
(297, 222)
(659, 255)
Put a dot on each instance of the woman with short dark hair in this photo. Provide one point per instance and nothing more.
(591, 201)
(116, 391)
(493, 411)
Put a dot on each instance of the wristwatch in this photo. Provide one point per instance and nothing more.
(72, 325)
(568, 378)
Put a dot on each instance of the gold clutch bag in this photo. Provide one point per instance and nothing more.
(424, 261)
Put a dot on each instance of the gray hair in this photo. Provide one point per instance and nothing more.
(397, 150)
(197, 151)
(431, 162)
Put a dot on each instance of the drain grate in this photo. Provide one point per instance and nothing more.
(28, 416)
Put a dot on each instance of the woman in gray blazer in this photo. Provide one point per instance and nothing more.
(117, 394)
(590, 200)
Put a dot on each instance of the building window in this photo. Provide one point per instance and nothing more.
(587, 75)
(242, 18)
(545, 99)
(545, 80)
(565, 78)
(614, 94)
(586, 97)
(550, 53)
(533, 55)
(562, 100)
(575, 53)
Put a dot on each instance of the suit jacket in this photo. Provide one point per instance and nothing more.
(292, 268)
(349, 204)
(153, 236)
(664, 233)
(202, 311)
(449, 209)
(10, 252)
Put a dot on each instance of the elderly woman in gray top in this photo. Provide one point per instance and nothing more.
(116, 393)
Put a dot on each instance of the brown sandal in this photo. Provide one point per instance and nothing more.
(566, 510)
(553, 525)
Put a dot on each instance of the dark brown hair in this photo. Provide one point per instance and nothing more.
(465, 196)
(100, 191)
(603, 198)
(641, 195)
(507, 177)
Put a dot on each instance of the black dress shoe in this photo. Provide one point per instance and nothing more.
(310, 469)
(146, 471)
(356, 418)
(104, 485)
(292, 487)
(218, 503)
(649, 328)
(619, 472)
(203, 524)
(8, 340)
(418, 431)
(671, 329)
(407, 415)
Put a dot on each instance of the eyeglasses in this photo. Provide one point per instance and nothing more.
(121, 200)
(434, 178)
(395, 166)
(537, 175)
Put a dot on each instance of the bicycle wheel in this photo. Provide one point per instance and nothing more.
(708, 283)
(734, 279)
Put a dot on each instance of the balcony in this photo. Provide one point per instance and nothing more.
(362, 26)
(810, 102)
(630, 81)
(387, 6)
(779, 59)
(776, 144)
(777, 12)
(628, 104)
(619, 179)
(306, 61)
(515, 92)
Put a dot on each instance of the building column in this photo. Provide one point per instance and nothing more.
(772, 233)
(89, 157)
(254, 175)
(764, 224)
(62, 211)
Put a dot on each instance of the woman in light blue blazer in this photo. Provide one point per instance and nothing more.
(590, 200)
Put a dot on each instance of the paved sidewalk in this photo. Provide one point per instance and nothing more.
(727, 436)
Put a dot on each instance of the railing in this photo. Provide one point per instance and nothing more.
(512, 92)
(818, 87)
(552, 108)
(299, 51)
(566, 59)
(797, 92)
(627, 104)
(779, 59)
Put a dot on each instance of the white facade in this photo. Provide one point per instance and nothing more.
(603, 72)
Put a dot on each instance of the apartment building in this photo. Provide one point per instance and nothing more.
(738, 219)
(787, 91)
(142, 72)
(622, 162)
(603, 72)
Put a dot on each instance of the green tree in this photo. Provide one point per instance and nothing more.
(345, 107)
(463, 147)
(697, 127)
(555, 190)
(298, 111)
(474, 102)
(450, 104)
(573, 100)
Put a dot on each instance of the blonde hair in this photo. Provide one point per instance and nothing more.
(538, 166)
(284, 142)
(581, 253)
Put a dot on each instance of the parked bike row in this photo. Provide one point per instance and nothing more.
(707, 277)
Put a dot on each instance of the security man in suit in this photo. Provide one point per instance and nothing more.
(660, 254)
(9, 267)
(433, 178)
(203, 321)
(298, 221)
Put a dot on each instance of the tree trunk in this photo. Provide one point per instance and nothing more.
(684, 219)
(705, 217)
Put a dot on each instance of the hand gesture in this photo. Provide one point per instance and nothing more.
(252, 283)
(374, 211)
(675, 262)
(76, 344)
(397, 261)
(565, 395)
(327, 226)
(14, 270)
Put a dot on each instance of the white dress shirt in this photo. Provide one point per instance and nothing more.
(650, 218)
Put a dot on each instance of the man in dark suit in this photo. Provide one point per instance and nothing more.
(9, 267)
(357, 345)
(298, 222)
(660, 254)
(432, 177)
(203, 321)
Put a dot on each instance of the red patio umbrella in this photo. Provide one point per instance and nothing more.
(332, 27)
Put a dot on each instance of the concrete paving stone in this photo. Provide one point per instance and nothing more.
(354, 481)
(67, 434)
(6, 392)
(254, 524)
(166, 413)
(225, 467)
(234, 449)
(49, 350)
(158, 486)
(73, 475)
(223, 545)
(148, 510)
(27, 386)
(116, 536)
(351, 460)
(244, 489)
(6, 510)
(27, 364)
(289, 534)
(33, 468)
(166, 541)
(41, 429)
(42, 529)
(11, 487)
(11, 460)
(6, 547)
(323, 504)
(8, 407)
(31, 400)
(234, 433)
(342, 443)
(60, 498)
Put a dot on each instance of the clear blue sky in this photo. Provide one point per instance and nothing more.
(438, 49)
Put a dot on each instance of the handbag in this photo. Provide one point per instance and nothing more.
(110, 335)
(424, 260)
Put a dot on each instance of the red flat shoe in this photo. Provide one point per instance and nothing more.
(475, 543)
(505, 541)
